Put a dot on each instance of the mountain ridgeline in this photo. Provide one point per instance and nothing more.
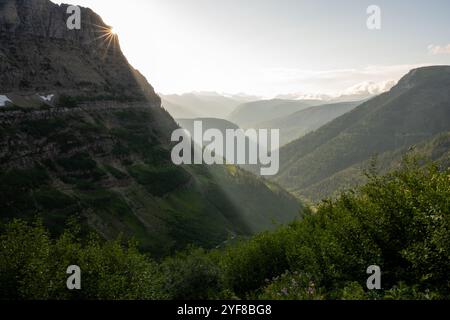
(415, 112)
(249, 115)
(298, 124)
(98, 148)
(196, 105)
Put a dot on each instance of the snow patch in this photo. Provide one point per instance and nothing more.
(4, 100)
(47, 98)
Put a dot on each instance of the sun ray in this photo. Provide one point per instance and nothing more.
(108, 37)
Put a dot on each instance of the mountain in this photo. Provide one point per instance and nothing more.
(200, 104)
(69, 62)
(296, 125)
(208, 123)
(412, 112)
(179, 112)
(250, 114)
(83, 135)
(436, 149)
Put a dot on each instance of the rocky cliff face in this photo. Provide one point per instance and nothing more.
(39, 54)
(102, 152)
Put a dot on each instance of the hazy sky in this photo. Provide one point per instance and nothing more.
(270, 47)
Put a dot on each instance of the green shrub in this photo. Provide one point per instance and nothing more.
(191, 275)
(33, 266)
(247, 265)
(291, 286)
(400, 222)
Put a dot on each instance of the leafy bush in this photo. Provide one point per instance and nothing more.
(247, 265)
(291, 286)
(399, 222)
(33, 266)
(191, 275)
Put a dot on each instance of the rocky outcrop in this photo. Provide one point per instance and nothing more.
(39, 54)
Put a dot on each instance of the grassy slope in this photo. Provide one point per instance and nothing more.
(437, 149)
(294, 126)
(412, 112)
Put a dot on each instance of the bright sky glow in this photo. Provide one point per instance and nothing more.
(272, 47)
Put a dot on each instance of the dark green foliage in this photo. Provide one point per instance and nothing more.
(78, 162)
(121, 180)
(160, 180)
(16, 187)
(247, 265)
(116, 168)
(51, 199)
(65, 101)
(40, 128)
(300, 286)
(33, 266)
(400, 222)
(116, 173)
(81, 170)
(105, 201)
(192, 275)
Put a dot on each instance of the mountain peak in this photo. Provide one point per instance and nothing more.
(421, 75)
(86, 62)
(43, 18)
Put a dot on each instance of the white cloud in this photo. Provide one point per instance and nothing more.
(302, 96)
(436, 49)
(369, 80)
(359, 91)
(370, 88)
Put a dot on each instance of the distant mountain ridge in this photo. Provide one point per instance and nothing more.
(296, 125)
(207, 123)
(200, 105)
(249, 114)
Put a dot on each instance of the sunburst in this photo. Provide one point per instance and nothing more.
(108, 36)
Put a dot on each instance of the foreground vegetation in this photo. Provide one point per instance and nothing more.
(399, 222)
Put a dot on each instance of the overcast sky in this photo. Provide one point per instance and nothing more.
(270, 47)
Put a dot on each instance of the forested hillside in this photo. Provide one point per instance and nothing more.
(413, 112)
